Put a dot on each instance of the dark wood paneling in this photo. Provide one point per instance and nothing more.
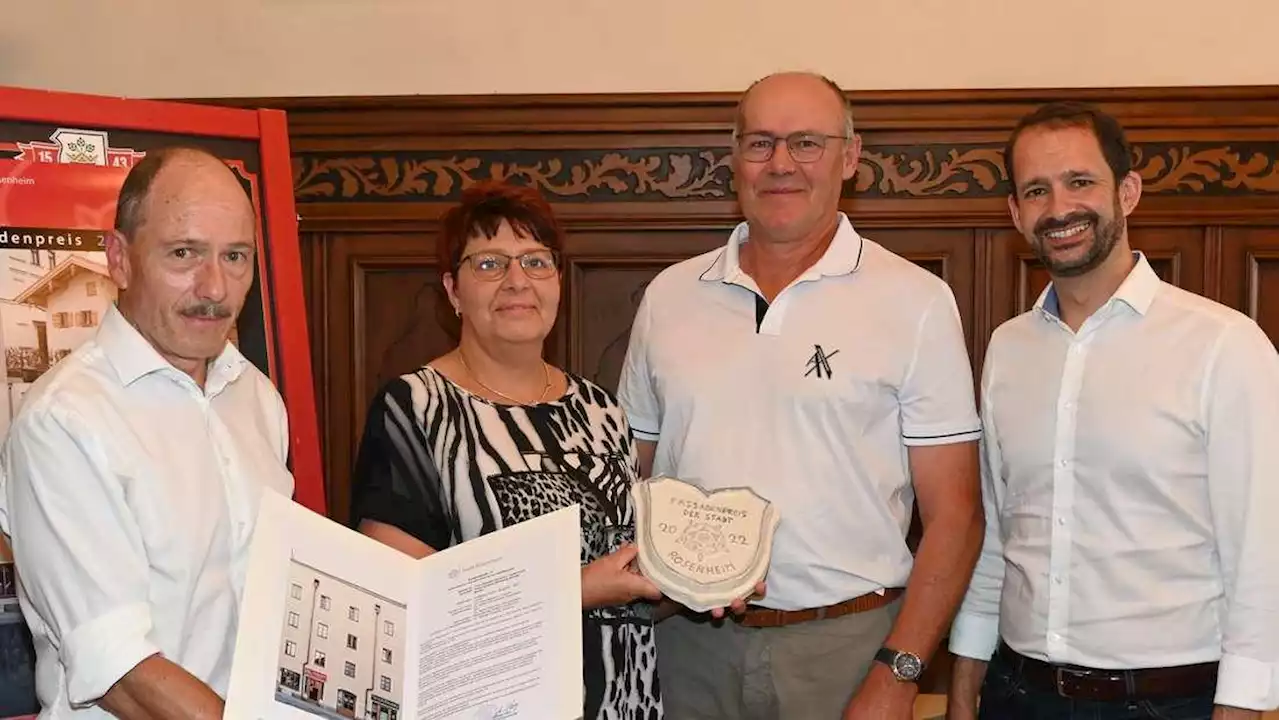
(605, 277)
(1249, 274)
(945, 252)
(383, 318)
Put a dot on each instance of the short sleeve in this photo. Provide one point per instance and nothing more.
(395, 479)
(937, 396)
(78, 550)
(636, 392)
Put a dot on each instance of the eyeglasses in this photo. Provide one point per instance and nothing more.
(491, 266)
(805, 147)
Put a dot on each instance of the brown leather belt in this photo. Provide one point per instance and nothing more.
(768, 617)
(1081, 683)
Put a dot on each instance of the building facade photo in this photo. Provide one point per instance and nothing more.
(341, 650)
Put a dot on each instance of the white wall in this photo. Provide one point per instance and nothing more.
(153, 48)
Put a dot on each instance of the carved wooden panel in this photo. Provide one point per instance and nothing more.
(640, 174)
(606, 276)
(400, 328)
(606, 293)
(383, 318)
(948, 253)
(1249, 274)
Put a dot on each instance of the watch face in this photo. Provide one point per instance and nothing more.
(907, 666)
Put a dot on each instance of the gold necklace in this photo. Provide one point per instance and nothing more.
(546, 374)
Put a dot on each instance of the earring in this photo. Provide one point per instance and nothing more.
(457, 311)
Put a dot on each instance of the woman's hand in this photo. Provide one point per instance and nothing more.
(613, 580)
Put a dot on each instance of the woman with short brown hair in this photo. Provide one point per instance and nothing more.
(490, 434)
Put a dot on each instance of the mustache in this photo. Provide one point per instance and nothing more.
(1051, 224)
(206, 310)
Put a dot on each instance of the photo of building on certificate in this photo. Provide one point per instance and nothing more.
(341, 648)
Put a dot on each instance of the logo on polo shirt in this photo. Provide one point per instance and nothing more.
(819, 365)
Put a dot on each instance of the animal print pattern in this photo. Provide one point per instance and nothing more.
(447, 466)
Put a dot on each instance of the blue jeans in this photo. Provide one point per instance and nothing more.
(1005, 696)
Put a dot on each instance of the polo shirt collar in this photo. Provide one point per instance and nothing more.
(1137, 291)
(133, 357)
(842, 257)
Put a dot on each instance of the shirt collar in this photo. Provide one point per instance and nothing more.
(1137, 291)
(842, 257)
(134, 357)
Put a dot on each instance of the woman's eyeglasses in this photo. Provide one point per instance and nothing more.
(492, 266)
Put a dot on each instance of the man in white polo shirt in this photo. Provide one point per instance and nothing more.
(831, 376)
(1129, 473)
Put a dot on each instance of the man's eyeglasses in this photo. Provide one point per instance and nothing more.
(491, 266)
(805, 147)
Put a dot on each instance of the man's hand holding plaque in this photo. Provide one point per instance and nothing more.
(704, 550)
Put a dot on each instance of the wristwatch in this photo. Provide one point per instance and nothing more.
(906, 667)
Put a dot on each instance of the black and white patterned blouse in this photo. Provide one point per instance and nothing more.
(446, 466)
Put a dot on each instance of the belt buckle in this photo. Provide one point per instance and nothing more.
(1059, 680)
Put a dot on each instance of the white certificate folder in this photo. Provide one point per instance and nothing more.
(337, 625)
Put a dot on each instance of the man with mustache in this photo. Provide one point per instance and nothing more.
(1129, 469)
(831, 376)
(132, 474)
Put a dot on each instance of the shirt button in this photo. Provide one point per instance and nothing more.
(1057, 579)
(1063, 463)
(1062, 521)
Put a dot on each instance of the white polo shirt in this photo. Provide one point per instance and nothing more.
(811, 401)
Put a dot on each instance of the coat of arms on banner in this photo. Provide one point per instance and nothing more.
(78, 147)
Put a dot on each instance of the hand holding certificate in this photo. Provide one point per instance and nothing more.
(336, 624)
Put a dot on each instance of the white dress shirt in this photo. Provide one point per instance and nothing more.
(1130, 483)
(812, 401)
(129, 495)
